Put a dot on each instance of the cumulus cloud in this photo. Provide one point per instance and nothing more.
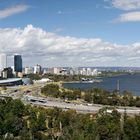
(133, 6)
(129, 17)
(126, 4)
(49, 49)
(13, 10)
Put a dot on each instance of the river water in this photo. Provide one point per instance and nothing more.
(127, 82)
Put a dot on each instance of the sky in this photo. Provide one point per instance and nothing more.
(71, 32)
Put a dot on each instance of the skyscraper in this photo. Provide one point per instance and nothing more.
(37, 69)
(17, 63)
(3, 62)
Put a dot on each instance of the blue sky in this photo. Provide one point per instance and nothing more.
(78, 18)
(114, 24)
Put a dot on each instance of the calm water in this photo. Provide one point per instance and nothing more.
(127, 82)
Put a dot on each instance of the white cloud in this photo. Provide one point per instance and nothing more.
(133, 6)
(129, 17)
(126, 4)
(61, 12)
(49, 49)
(65, 12)
(13, 10)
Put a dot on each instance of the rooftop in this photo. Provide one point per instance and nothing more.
(10, 80)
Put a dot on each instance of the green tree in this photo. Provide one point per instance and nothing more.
(108, 125)
(131, 130)
(51, 90)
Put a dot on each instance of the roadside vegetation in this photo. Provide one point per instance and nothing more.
(96, 96)
(100, 96)
(20, 122)
(53, 90)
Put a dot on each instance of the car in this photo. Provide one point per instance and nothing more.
(41, 101)
(89, 104)
(27, 91)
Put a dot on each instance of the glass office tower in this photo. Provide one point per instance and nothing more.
(17, 63)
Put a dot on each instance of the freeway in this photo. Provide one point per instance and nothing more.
(82, 108)
(79, 108)
(31, 95)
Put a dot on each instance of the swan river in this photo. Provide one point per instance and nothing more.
(126, 82)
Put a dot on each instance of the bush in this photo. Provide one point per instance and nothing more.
(51, 89)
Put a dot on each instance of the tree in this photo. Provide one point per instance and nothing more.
(25, 134)
(12, 124)
(88, 97)
(18, 108)
(108, 125)
(41, 120)
(131, 129)
(51, 89)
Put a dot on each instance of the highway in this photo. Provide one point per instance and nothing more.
(79, 108)
(31, 95)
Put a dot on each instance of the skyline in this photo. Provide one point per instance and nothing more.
(71, 33)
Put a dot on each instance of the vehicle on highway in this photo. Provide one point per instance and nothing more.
(42, 101)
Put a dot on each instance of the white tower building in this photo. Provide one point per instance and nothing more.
(28, 70)
(3, 62)
(37, 69)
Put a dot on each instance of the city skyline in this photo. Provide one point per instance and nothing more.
(71, 33)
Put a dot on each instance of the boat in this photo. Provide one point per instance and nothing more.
(84, 80)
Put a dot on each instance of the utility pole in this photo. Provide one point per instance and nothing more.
(118, 86)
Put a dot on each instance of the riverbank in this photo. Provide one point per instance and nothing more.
(94, 95)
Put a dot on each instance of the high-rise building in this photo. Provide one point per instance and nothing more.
(84, 71)
(3, 61)
(37, 69)
(57, 70)
(7, 73)
(17, 63)
(89, 71)
(28, 70)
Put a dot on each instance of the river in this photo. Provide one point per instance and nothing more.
(127, 82)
